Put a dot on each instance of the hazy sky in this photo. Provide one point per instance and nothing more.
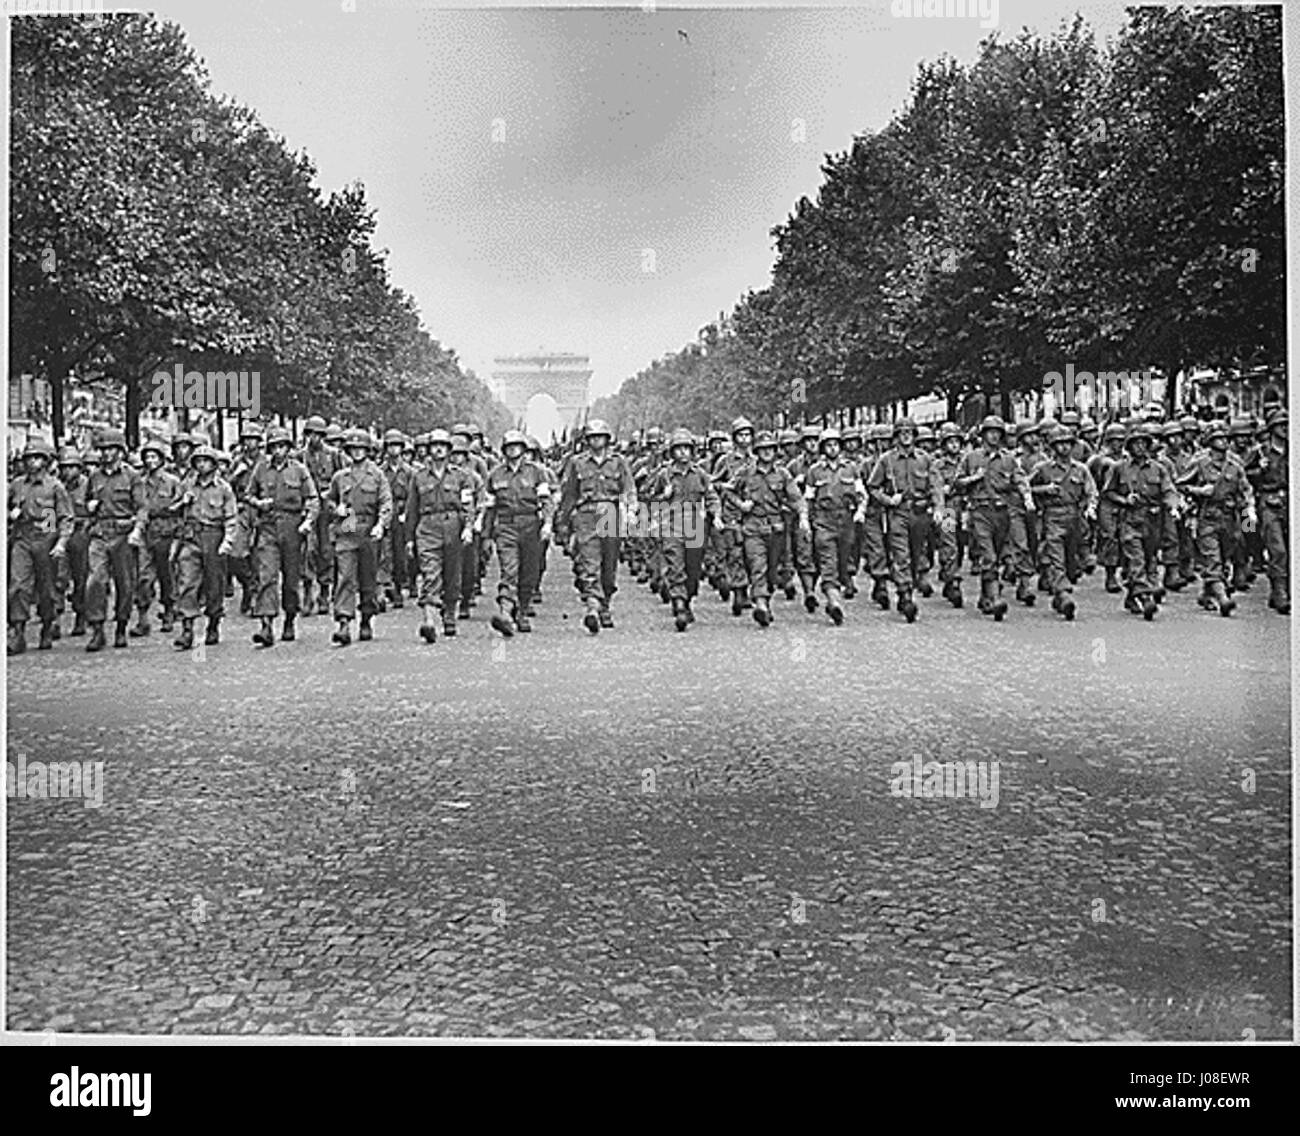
(523, 161)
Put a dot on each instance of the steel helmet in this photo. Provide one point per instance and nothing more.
(1059, 432)
(40, 448)
(394, 438)
(741, 423)
(207, 452)
(830, 434)
(1114, 432)
(788, 437)
(460, 428)
(1029, 428)
(278, 436)
(69, 456)
(475, 431)
(154, 446)
(1172, 429)
(333, 432)
(438, 437)
(356, 439)
(949, 430)
(810, 430)
(597, 426)
(110, 438)
(534, 446)
(765, 441)
(314, 425)
(993, 422)
(1070, 418)
(250, 429)
(180, 438)
(925, 433)
(1279, 418)
(1087, 425)
(1139, 432)
(460, 443)
(513, 438)
(1241, 428)
(654, 435)
(902, 424)
(681, 437)
(1216, 430)
(850, 434)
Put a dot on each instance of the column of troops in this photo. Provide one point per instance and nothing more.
(350, 523)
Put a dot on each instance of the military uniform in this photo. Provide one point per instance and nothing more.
(834, 491)
(441, 505)
(1066, 495)
(767, 494)
(994, 482)
(393, 569)
(681, 499)
(909, 475)
(360, 499)
(1143, 489)
(40, 520)
(284, 498)
(162, 491)
(1216, 481)
(120, 512)
(74, 567)
(591, 494)
(207, 532)
(322, 463)
(1273, 489)
(519, 503)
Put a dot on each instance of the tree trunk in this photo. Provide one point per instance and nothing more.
(132, 411)
(56, 376)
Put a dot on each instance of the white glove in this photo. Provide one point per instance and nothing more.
(377, 533)
(467, 534)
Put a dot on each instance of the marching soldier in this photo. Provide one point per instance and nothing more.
(74, 567)
(766, 493)
(903, 482)
(1067, 498)
(115, 500)
(596, 486)
(1216, 481)
(836, 502)
(241, 563)
(362, 505)
(322, 462)
(392, 560)
(162, 489)
(1141, 486)
(993, 481)
(40, 525)
(209, 522)
(1107, 527)
(682, 499)
(519, 505)
(535, 456)
(285, 501)
(731, 546)
(442, 510)
(1273, 490)
(462, 458)
(947, 463)
(805, 559)
(1024, 560)
(875, 538)
(1176, 538)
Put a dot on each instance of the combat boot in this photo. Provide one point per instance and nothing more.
(690, 611)
(1132, 603)
(1066, 606)
(17, 639)
(679, 615)
(924, 586)
(1149, 607)
(907, 606)
(119, 639)
(167, 622)
(1278, 599)
(524, 621)
(289, 634)
(264, 636)
(56, 630)
(1240, 579)
(462, 612)
(504, 622)
(428, 631)
(1044, 585)
(985, 604)
(1206, 598)
(952, 593)
(449, 628)
(96, 638)
(809, 602)
(790, 590)
(47, 636)
(591, 621)
(850, 588)
(1226, 604)
(1024, 593)
(212, 636)
(833, 607)
(607, 616)
(880, 593)
(739, 601)
(141, 628)
(762, 612)
(1112, 581)
(398, 601)
(185, 640)
(323, 600)
(78, 625)
(342, 635)
(1174, 581)
(365, 632)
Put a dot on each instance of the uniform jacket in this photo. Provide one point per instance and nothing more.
(363, 490)
(1063, 486)
(43, 505)
(774, 494)
(434, 496)
(120, 496)
(211, 503)
(996, 477)
(521, 492)
(833, 490)
(913, 475)
(291, 489)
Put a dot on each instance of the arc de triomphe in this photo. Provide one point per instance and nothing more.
(517, 378)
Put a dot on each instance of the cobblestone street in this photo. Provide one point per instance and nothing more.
(649, 834)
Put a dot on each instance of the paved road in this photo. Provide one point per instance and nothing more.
(660, 835)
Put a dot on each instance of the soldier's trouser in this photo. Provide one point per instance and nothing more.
(1214, 529)
(909, 533)
(519, 550)
(874, 546)
(357, 568)
(1020, 526)
(110, 557)
(31, 576)
(683, 562)
(320, 553)
(1169, 539)
(1108, 534)
(438, 549)
(75, 567)
(762, 553)
(805, 559)
(855, 548)
(201, 573)
(990, 537)
(595, 563)
(392, 554)
(277, 560)
(1275, 535)
(469, 573)
(949, 549)
(785, 554)
(155, 566)
(1059, 547)
(1139, 540)
(733, 548)
(832, 542)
